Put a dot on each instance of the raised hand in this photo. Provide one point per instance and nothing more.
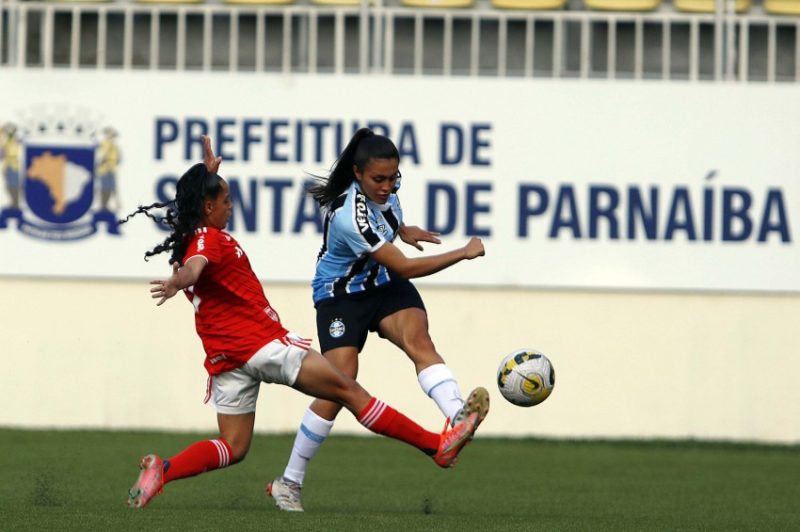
(211, 162)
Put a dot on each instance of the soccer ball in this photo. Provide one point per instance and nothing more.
(526, 377)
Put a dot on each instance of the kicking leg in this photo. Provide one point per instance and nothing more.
(320, 378)
(408, 330)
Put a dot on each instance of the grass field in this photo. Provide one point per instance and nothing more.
(65, 480)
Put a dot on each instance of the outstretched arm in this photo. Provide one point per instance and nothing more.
(182, 277)
(390, 256)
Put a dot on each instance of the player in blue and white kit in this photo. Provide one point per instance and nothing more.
(355, 227)
(362, 284)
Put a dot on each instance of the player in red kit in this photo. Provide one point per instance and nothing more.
(246, 344)
(236, 318)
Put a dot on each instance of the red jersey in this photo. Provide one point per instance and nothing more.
(232, 314)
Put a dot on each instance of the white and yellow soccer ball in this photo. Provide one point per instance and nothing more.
(526, 377)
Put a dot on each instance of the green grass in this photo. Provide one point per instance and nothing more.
(77, 480)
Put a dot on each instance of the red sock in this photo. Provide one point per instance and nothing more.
(381, 418)
(198, 458)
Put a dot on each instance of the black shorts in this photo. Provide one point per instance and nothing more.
(346, 320)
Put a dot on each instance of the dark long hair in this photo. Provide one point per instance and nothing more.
(364, 145)
(184, 214)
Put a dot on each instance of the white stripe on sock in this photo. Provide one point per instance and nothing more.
(226, 453)
(374, 413)
(222, 451)
(219, 452)
(220, 456)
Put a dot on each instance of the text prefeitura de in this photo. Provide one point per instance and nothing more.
(288, 140)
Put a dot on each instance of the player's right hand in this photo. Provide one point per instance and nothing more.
(163, 290)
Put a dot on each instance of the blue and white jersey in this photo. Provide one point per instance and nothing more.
(355, 227)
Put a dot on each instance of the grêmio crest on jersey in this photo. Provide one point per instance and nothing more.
(59, 174)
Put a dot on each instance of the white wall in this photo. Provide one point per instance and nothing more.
(633, 364)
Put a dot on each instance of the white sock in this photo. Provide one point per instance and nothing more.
(312, 432)
(439, 383)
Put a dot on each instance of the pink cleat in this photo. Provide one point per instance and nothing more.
(454, 439)
(150, 482)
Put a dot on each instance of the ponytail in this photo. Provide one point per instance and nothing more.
(184, 214)
(364, 145)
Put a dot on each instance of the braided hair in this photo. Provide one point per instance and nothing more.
(184, 214)
(364, 145)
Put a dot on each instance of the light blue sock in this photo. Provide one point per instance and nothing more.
(310, 436)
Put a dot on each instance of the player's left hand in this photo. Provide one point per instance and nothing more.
(211, 162)
(413, 235)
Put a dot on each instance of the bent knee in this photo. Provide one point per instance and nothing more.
(239, 450)
(238, 454)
